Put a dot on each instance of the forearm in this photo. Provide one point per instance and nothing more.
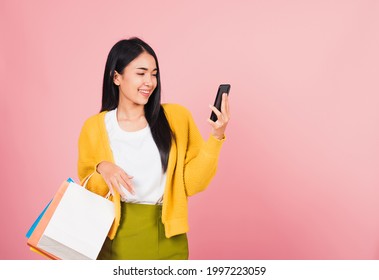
(199, 171)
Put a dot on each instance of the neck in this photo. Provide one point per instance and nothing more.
(131, 117)
(130, 112)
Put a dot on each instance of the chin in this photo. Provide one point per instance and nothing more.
(144, 102)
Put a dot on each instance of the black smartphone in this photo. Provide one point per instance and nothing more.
(224, 88)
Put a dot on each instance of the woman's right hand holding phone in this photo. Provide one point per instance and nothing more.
(223, 116)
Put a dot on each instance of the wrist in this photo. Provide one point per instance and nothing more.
(219, 137)
(98, 166)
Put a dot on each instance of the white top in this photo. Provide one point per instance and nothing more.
(137, 154)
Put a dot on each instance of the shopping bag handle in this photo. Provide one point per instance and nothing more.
(86, 181)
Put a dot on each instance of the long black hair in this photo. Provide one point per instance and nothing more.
(121, 54)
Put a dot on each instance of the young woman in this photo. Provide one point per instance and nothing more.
(151, 157)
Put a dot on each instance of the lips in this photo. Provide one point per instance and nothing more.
(144, 92)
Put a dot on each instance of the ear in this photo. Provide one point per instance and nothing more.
(116, 78)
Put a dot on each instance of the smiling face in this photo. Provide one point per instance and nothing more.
(137, 81)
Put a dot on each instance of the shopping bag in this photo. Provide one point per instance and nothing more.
(36, 222)
(41, 224)
(74, 225)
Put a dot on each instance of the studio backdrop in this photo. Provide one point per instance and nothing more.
(298, 173)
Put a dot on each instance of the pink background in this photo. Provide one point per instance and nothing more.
(298, 175)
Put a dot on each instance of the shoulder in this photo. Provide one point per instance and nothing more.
(94, 121)
(179, 118)
(174, 111)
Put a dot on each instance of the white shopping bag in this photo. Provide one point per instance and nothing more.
(79, 225)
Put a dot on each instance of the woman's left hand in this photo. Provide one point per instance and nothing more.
(219, 126)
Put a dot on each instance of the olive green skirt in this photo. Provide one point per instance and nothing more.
(141, 236)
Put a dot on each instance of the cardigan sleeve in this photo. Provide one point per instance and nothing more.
(91, 152)
(201, 159)
(88, 159)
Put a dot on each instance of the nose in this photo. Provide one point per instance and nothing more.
(148, 80)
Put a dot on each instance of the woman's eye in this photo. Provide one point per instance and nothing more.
(142, 74)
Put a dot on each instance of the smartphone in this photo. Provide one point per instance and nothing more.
(224, 88)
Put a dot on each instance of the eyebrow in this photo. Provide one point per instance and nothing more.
(146, 69)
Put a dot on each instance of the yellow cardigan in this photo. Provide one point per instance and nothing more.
(191, 166)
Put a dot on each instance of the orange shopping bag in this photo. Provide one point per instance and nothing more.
(74, 225)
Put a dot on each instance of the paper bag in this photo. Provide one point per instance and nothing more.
(75, 224)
